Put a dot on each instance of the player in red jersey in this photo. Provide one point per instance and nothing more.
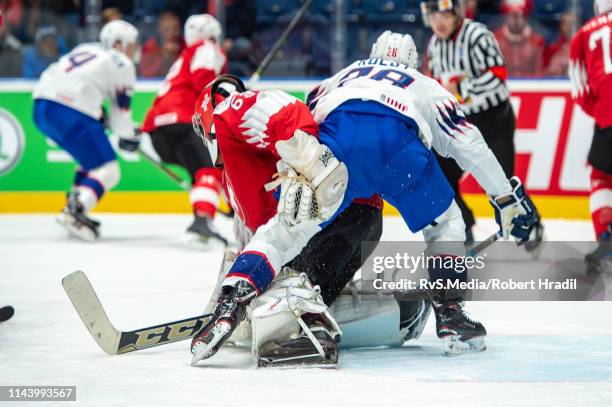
(253, 135)
(590, 71)
(168, 121)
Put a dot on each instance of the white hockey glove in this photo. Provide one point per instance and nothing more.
(515, 214)
(313, 180)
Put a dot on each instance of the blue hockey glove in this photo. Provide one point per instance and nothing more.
(515, 213)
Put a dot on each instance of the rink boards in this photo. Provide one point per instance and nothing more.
(552, 140)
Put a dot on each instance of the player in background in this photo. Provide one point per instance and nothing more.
(464, 57)
(590, 71)
(383, 109)
(168, 121)
(68, 109)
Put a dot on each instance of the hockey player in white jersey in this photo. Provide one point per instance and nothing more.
(68, 109)
(383, 109)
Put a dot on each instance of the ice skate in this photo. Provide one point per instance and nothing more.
(460, 333)
(229, 312)
(76, 222)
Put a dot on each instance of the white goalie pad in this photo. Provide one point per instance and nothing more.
(367, 320)
(277, 314)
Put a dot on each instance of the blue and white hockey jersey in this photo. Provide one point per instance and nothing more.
(439, 119)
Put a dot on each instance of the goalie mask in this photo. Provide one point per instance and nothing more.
(396, 47)
(213, 94)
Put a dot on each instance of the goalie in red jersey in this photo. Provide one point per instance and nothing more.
(590, 71)
(254, 136)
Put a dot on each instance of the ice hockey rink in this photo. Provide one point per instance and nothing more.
(545, 354)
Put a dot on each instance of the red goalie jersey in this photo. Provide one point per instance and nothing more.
(198, 65)
(590, 68)
(247, 127)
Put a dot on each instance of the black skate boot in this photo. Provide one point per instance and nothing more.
(600, 260)
(74, 219)
(303, 351)
(460, 333)
(229, 312)
(202, 230)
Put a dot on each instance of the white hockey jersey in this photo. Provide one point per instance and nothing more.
(86, 77)
(442, 124)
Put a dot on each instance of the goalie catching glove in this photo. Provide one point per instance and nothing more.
(313, 180)
(515, 214)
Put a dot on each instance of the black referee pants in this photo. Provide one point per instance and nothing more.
(497, 126)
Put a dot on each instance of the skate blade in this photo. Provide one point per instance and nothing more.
(202, 350)
(75, 229)
(454, 346)
(301, 362)
(197, 241)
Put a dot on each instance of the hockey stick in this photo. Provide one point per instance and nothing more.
(6, 313)
(179, 180)
(474, 250)
(279, 43)
(113, 341)
(223, 209)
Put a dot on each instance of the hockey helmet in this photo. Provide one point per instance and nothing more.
(428, 7)
(201, 27)
(212, 95)
(396, 47)
(118, 31)
(602, 6)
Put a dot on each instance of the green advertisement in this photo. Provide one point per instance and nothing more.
(30, 162)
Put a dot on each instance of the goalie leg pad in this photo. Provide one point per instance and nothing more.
(284, 321)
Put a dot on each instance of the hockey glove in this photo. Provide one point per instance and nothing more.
(515, 214)
(130, 144)
(304, 201)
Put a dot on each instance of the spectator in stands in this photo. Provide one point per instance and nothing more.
(46, 50)
(111, 13)
(521, 46)
(125, 7)
(162, 49)
(64, 15)
(10, 53)
(556, 55)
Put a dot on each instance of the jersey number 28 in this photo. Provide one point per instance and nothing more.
(395, 77)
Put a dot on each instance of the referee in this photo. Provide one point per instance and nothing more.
(465, 58)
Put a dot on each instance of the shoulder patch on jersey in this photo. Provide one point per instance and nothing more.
(208, 56)
(255, 120)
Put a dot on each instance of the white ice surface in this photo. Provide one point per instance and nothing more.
(545, 354)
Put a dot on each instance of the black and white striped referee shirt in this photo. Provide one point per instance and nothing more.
(474, 54)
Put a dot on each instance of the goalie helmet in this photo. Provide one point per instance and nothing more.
(396, 47)
(118, 31)
(602, 6)
(201, 27)
(429, 7)
(213, 94)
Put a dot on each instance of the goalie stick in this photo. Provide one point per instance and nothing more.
(113, 341)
